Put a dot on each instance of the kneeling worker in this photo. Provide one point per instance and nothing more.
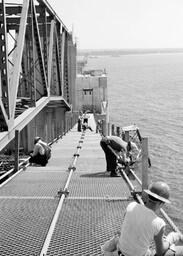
(41, 152)
(122, 148)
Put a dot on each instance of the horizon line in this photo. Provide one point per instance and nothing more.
(129, 49)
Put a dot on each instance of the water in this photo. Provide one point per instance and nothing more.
(147, 90)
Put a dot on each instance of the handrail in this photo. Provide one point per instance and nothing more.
(24, 164)
(126, 177)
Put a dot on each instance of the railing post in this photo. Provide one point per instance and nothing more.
(17, 141)
(118, 131)
(62, 129)
(69, 123)
(72, 121)
(123, 135)
(109, 129)
(65, 128)
(127, 136)
(112, 130)
(104, 127)
(144, 163)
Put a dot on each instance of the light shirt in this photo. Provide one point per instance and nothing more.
(38, 148)
(138, 230)
(134, 151)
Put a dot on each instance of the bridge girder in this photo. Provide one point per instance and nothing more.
(34, 62)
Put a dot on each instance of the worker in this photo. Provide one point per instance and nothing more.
(41, 152)
(142, 226)
(79, 124)
(85, 117)
(127, 152)
(85, 126)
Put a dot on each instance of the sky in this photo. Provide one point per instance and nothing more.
(121, 24)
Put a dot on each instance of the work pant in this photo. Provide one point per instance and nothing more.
(85, 120)
(111, 161)
(39, 159)
(79, 125)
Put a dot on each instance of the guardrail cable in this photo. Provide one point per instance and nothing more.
(7, 176)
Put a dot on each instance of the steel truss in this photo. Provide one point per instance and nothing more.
(35, 54)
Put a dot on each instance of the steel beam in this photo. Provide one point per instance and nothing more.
(62, 58)
(4, 85)
(52, 12)
(25, 118)
(14, 76)
(50, 54)
(40, 50)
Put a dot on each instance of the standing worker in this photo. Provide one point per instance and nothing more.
(126, 150)
(79, 124)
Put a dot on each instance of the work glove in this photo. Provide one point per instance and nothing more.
(174, 237)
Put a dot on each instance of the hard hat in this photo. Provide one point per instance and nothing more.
(36, 139)
(159, 190)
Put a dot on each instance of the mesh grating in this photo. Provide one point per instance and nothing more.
(84, 225)
(91, 152)
(38, 183)
(24, 224)
(97, 185)
(59, 161)
(91, 165)
(92, 212)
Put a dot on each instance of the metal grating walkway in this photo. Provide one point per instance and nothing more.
(91, 213)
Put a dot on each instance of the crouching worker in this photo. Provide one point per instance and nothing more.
(41, 152)
(142, 226)
(127, 153)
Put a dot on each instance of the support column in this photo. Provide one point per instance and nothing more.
(112, 129)
(118, 131)
(17, 142)
(144, 163)
(126, 136)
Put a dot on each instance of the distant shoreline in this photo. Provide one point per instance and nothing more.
(118, 52)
